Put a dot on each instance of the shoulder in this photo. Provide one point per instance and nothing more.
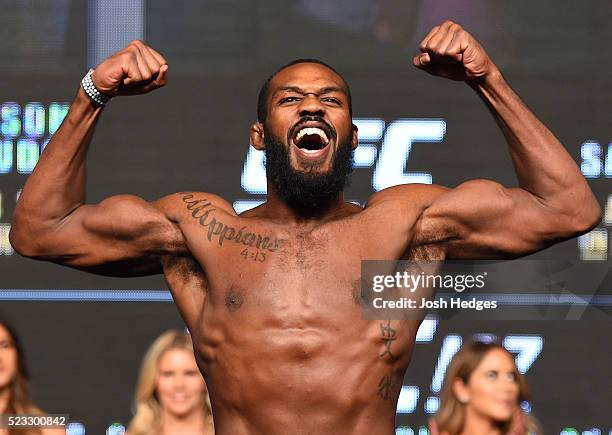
(422, 197)
(411, 204)
(416, 196)
(402, 207)
(180, 203)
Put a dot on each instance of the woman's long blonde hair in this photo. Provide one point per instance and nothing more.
(147, 413)
(451, 415)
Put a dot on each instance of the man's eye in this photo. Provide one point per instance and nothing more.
(491, 374)
(331, 100)
(289, 100)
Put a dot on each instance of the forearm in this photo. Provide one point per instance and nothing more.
(543, 166)
(57, 185)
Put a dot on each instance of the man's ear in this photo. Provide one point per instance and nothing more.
(257, 136)
(354, 141)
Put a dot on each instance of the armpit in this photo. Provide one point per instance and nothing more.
(185, 268)
(430, 252)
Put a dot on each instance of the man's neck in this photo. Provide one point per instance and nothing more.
(277, 209)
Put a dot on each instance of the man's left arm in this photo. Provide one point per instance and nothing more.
(481, 218)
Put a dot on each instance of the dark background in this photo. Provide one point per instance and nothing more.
(193, 135)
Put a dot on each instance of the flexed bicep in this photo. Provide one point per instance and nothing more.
(123, 235)
(483, 219)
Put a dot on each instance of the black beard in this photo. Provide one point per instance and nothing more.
(309, 194)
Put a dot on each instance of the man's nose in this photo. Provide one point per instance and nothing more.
(311, 106)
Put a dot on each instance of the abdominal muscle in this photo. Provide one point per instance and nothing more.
(324, 377)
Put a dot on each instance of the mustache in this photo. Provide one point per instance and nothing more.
(313, 118)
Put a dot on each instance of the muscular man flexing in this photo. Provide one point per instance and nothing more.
(270, 295)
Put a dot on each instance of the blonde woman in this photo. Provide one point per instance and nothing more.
(14, 394)
(171, 396)
(481, 394)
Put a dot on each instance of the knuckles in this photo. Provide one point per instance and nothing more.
(130, 54)
(433, 43)
(125, 67)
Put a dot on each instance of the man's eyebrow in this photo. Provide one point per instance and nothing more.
(325, 90)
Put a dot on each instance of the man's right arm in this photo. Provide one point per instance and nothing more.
(122, 235)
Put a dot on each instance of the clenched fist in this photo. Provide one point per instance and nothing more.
(137, 69)
(451, 52)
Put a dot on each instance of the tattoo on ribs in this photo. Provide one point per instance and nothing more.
(388, 335)
(385, 387)
(202, 208)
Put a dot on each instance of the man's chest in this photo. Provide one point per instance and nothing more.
(304, 279)
(291, 272)
(227, 243)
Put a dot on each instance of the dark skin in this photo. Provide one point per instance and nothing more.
(277, 330)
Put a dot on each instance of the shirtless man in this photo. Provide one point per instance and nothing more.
(270, 295)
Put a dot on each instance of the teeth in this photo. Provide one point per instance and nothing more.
(312, 130)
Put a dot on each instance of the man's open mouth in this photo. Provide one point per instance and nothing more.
(311, 140)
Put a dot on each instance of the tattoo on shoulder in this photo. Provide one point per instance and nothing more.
(201, 210)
